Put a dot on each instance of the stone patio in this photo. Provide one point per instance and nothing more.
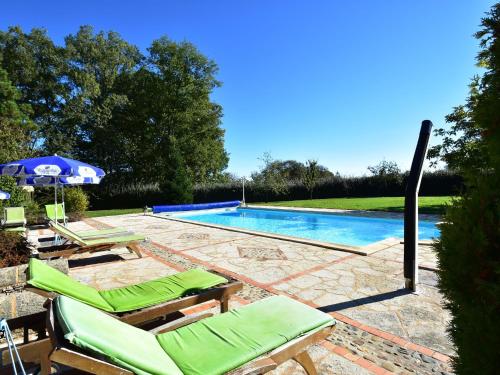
(381, 327)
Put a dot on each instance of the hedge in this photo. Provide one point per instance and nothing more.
(132, 195)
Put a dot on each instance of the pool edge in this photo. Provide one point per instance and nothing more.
(359, 250)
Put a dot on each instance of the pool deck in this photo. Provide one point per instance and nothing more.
(381, 327)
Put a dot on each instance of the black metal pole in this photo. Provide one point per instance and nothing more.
(411, 208)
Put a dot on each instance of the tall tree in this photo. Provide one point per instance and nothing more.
(35, 66)
(94, 64)
(15, 124)
(469, 248)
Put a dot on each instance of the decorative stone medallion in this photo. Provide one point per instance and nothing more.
(261, 253)
(194, 236)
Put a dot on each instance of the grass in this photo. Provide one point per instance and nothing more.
(428, 205)
(117, 211)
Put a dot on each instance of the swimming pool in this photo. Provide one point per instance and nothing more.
(344, 229)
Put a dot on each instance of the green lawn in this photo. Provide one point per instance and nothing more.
(118, 211)
(429, 205)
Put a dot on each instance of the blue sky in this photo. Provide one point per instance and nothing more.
(344, 82)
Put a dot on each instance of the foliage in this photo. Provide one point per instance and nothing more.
(385, 168)
(101, 100)
(310, 176)
(15, 125)
(76, 200)
(439, 183)
(177, 187)
(271, 177)
(17, 196)
(469, 248)
(14, 249)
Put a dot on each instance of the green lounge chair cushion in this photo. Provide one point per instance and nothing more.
(122, 344)
(95, 233)
(208, 347)
(14, 216)
(41, 275)
(115, 239)
(50, 211)
(15, 229)
(224, 342)
(65, 232)
(126, 298)
(160, 290)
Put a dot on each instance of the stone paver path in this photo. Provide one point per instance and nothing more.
(381, 328)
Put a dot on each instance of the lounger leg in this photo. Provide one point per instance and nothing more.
(134, 249)
(45, 364)
(306, 362)
(224, 304)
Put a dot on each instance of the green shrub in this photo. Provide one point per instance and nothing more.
(14, 249)
(469, 248)
(76, 200)
(17, 195)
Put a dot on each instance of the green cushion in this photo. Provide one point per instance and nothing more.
(65, 232)
(69, 234)
(223, 342)
(122, 344)
(50, 211)
(42, 276)
(15, 229)
(115, 239)
(95, 233)
(14, 216)
(122, 299)
(160, 290)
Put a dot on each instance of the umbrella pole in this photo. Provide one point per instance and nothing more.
(55, 208)
(63, 205)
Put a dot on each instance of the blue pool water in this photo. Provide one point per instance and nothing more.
(336, 228)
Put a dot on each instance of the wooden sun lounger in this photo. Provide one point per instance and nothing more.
(66, 354)
(79, 246)
(32, 352)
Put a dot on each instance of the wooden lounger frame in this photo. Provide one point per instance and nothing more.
(34, 352)
(79, 247)
(66, 354)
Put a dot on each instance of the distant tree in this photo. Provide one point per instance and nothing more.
(310, 176)
(469, 247)
(385, 168)
(15, 124)
(270, 175)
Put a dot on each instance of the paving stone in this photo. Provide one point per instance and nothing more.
(367, 289)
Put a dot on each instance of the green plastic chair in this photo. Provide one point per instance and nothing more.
(14, 217)
(256, 337)
(50, 211)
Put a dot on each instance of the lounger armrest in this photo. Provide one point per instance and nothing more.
(171, 326)
(260, 366)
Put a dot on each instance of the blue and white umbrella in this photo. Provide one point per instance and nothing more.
(55, 166)
(61, 181)
(4, 195)
(52, 171)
